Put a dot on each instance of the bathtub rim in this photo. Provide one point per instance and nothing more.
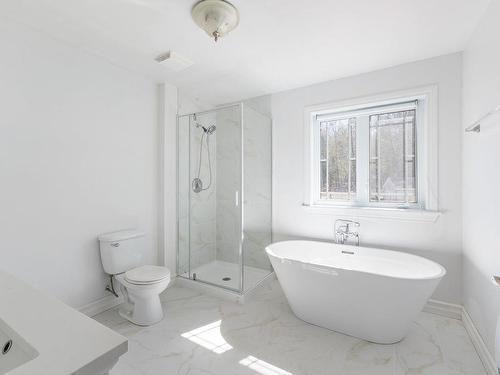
(440, 275)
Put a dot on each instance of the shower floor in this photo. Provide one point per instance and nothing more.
(218, 272)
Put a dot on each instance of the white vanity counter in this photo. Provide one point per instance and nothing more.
(63, 341)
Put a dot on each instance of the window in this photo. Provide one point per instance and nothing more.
(371, 154)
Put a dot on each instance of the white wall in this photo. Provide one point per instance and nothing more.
(481, 176)
(168, 104)
(440, 241)
(78, 156)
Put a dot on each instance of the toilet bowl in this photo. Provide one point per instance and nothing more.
(142, 287)
(122, 256)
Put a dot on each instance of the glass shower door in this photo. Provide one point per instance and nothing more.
(210, 199)
(183, 196)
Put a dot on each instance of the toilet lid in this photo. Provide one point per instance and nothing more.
(147, 274)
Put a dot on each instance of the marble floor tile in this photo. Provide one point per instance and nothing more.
(204, 335)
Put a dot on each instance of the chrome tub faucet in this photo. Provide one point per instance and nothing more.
(345, 230)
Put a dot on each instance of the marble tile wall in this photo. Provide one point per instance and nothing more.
(257, 203)
(197, 220)
(183, 159)
(256, 186)
(228, 231)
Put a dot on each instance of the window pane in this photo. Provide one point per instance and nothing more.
(353, 177)
(338, 159)
(373, 142)
(338, 170)
(352, 161)
(410, 180)
(322, 140)
(410, 136)
(323, 176)
(373, 161)
(392, 161)
(352, 126)
(373, 181)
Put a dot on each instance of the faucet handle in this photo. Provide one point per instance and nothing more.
(347, 223)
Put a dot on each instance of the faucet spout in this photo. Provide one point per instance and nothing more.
(344, 231)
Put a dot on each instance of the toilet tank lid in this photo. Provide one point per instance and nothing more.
(120, 236)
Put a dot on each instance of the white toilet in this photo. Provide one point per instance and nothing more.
(122, 257)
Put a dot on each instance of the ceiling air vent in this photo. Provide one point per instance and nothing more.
(173, 61)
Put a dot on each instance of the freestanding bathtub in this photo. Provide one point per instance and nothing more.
(372, 294)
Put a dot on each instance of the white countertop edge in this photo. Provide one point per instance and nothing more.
(67, 341)
(106, 362)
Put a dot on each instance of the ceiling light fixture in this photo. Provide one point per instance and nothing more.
(216, 17)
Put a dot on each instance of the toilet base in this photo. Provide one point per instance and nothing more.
(139, 319)
(143, 306)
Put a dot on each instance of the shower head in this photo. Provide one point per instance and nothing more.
(211, 129)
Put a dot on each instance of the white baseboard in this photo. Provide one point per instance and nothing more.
(489, 363)
(448, 310)
(101, 305)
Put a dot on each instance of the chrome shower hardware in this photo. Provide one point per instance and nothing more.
(197, 183)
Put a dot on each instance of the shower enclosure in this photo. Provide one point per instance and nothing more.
(224, 197)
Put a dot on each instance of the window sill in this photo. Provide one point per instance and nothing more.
(396, 214)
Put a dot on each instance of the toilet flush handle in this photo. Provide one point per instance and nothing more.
(115, 244)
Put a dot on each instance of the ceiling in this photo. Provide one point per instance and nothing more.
(278, 45)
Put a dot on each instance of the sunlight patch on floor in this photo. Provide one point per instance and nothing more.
(262, 367)
(209, 337)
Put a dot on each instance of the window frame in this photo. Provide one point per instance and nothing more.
(426, 148)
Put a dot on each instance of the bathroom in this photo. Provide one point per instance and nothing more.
(209, 187)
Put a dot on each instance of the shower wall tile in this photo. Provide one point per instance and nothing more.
(203, 204)
(257, 187)
(197, 236)
(228, 183)
(209, 221)
(228, 231)
(257, 206)
(183, 195)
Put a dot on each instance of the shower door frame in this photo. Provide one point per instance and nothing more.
(240, 199)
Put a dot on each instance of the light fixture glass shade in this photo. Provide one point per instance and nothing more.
(216, 17)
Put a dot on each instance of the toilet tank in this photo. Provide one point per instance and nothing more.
(121, 251)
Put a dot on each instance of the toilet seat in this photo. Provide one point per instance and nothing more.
(145, 275)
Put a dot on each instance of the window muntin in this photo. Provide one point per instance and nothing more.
(368, 156)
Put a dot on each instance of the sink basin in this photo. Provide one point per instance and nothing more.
(14, 350)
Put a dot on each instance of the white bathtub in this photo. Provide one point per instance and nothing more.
(372, 294)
